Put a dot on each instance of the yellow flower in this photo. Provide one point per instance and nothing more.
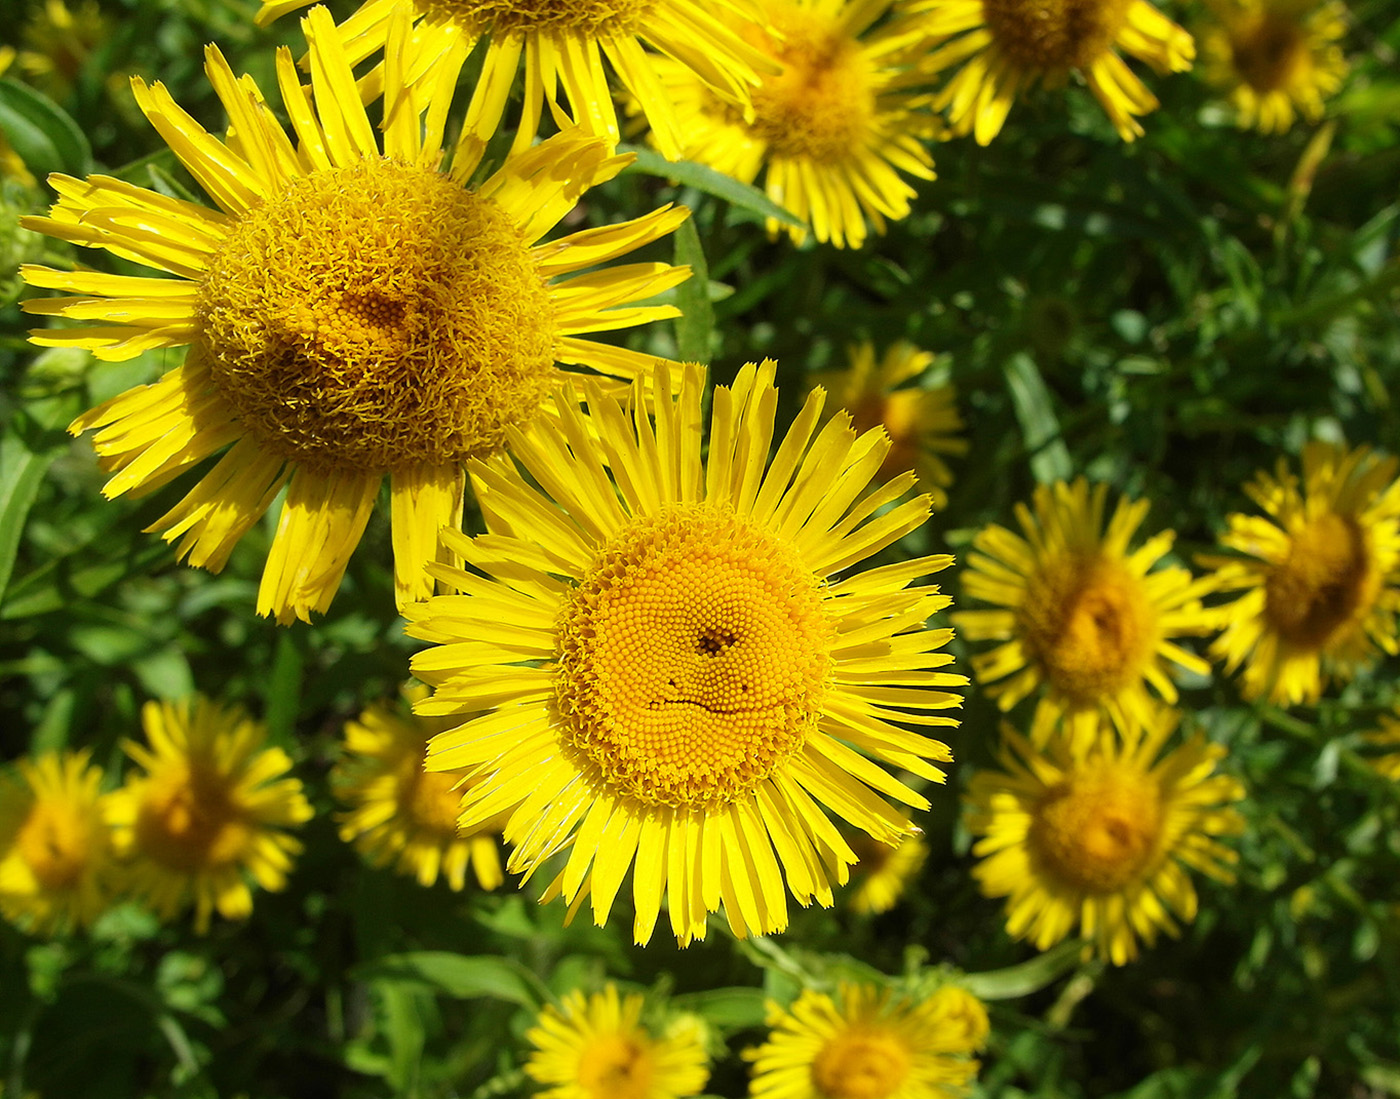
(832, 129)
(349, 314)
(1320, 576)
(1386, 738)
(666, 666)
(209, 809)
(866, 1044)
(55, 849)
(402, 814)
(596, 1047)
(1099, 839)
(58, 41)
(1083, 617)
(923, 424)
(1275, 58)
(1006, 47)
(565, 44)
(879, 879)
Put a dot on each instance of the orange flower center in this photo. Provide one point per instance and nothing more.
(1050, 36)
(860, 1063)
(1267, 53)
(432, 800)
(1098, 829)
(615, 1066)
(56, 842)
(585, 18)
(188, 820)
(1326, 581)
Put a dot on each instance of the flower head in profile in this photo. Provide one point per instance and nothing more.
(1081, 616)
(1099, 840)
(1001, 49)
(923, 423)
(672, 669)
(349, 313)
(1275, 59)
(596, 1047)
(834, 129)
(883, 873)
(1318, 574)
(56, 867)
(209, 809)
(404, 815)
(562, 45)
(867, 1043)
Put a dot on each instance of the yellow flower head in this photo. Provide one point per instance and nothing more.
(56, 867)
(668, 672)
(865, 1044)
(833, 126)
(1275, 59)
(208, 810)
(563, 43)
(1082, 616)
(349, 313)
(1002, 48)
(402, 814)
(923, 424)
(1320, 575)
(879, 879)
(1099, 839)
(595, 1047)
(58, 40)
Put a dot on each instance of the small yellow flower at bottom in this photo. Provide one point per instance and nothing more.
(866, 1044)
(1098, 839)
(210, 807)
(596, 1047)
(403, 814)
(56, 868)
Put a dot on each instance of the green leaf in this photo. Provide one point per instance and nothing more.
(30, 445)
(686, 173)
(43, 135)
(725, 1007)
(1035, 411)
(460, 976)
(695, 326)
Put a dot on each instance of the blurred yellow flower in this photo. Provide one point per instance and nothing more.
(923, 424)
(879, 879)
(865, 1044)
(666, 667)
(1003, 48)
(56, 868)
(596, 1047)
(209, 809)
(1320, 574)
(1082, 616)
(1098, 840)
(832, 129)
(58, 40)
(1387, 740)
(1275, 59)
(349, 314)
(401, 813)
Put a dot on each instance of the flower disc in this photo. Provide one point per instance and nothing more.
(1099, 829)
(1055, 34)
(1320, 585)
(502, 17)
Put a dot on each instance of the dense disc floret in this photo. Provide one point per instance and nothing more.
(1318, 574)
(832, 128)
(1082, 617)
(1096, 838)
(659, 669)
(351, 311)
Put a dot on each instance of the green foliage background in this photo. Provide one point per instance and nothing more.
(1168, 316)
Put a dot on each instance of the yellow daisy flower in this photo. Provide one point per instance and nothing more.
(879, 879)
(1007, 47)
(1321, 575)
(564, 45)
(209, 809)
(832, 129)
(596, 1047)
(666, 667)
(56, 867)
(1275, 59)
(1082, 616)
(402, 814)
(349, 313)
(1098, 839)
(866, 1044)
(923, 424)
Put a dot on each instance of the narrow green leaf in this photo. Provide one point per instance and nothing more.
(41, 132)
(1035, 411)
(460, 976)
(1028, 977)
(696, 324)
(687, 173)
(25, 456)
(725, 1007)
